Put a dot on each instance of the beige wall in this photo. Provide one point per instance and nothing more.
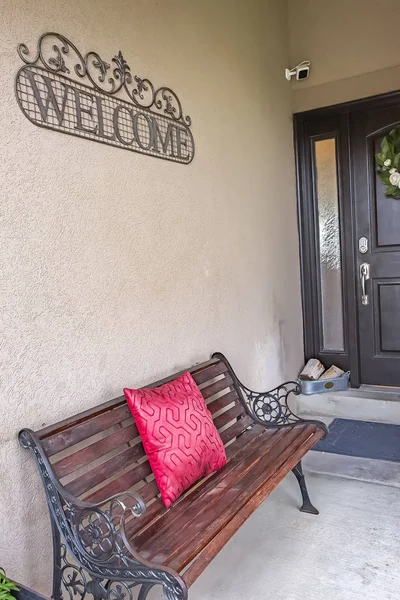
(117, 268)
(352, 45)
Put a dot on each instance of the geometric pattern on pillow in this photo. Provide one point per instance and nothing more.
(178, 434)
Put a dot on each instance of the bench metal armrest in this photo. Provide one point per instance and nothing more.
(105, 565)
(269, 409)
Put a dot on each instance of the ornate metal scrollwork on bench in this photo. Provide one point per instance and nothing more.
(270, 409)
(104, 564)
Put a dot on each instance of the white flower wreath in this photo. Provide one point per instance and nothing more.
(388, 163)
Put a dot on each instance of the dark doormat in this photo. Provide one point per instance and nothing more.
(362, 438)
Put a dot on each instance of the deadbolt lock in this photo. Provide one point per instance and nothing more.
(363, 245)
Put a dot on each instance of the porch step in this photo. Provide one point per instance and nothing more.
(351, 467)
(368, 403)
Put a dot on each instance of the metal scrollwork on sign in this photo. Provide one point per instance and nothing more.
(81, 94)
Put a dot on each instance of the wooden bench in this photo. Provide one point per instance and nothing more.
(112, 536)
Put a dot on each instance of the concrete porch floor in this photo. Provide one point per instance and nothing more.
(349, 552)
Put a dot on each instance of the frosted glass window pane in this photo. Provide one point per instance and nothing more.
(330, 262)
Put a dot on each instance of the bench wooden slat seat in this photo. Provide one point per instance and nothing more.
(205, 512)
(133, 541)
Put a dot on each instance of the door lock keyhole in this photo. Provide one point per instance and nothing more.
(363, 245)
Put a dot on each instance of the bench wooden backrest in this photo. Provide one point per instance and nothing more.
(99, 453)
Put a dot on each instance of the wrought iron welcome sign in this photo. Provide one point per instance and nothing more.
(112, 107)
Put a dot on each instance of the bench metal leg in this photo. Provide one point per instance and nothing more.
(57, 594)
(307, 507)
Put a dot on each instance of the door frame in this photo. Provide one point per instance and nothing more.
(335, 120)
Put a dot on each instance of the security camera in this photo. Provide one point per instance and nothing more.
(302, 71)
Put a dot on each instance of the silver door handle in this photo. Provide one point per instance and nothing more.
(364, 275)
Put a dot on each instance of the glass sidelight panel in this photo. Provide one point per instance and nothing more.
(329, 259)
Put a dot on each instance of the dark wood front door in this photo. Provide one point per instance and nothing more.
(348, 227)
(378, 221)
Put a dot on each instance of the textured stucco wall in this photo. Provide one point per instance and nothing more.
(353, 49)
(117, 268)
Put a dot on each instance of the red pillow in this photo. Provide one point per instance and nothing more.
(178, 434)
